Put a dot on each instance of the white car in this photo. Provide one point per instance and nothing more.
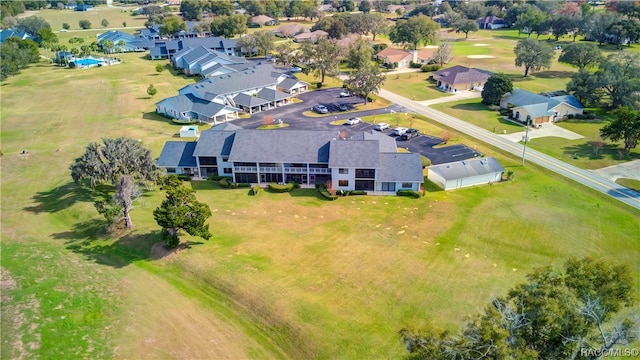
(399, 131)
(353, 121)
(381, 126)
(345, 93)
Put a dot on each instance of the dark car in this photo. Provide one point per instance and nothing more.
(341, 106)
(410, 134)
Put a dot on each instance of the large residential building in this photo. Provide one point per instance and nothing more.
(367, 161)
(250, 88)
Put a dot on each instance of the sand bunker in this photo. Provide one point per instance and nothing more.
(431, 47)
(480, 56)
(480, 44)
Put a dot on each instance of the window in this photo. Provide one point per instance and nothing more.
(388, 186)
(204, 160)
(228, 171)
(365, 173)
(407, 185)
(343, 171)
(225, 159)
(343, 182)
(171, 170)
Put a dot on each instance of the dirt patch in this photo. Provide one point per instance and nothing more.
(159, 251)
(480, 57)
(481, 45)
(6, 281)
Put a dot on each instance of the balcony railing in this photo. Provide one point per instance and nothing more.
(278, 170)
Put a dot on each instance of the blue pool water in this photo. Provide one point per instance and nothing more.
(87, 62)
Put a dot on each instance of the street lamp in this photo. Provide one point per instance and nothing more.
(526, 138)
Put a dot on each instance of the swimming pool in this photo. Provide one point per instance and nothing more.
(88, 62)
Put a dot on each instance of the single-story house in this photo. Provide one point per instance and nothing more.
(465, 173)
(7, 33)
(264, 20)
(461, 78)
(368, 161)
(526, 106)
(83, 7)
(122, 41)
(313, 36)
(405, 57)
(491, 22)
(290, 30)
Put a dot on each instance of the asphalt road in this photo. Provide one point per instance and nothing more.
(584, 177)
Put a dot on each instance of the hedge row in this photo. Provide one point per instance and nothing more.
(255, 190)
(227, 183)
(409, 193)
(427, 68)
(282, 188)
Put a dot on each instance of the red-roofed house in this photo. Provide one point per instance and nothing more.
(264, 20)
(460, 78)
(403, 57)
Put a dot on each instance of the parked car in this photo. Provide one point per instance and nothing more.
(381, 126)
(296, 69)
(320, 109)
(341, 106)
(410, 134)
(353, 121)
(399, 131)
(345, 93)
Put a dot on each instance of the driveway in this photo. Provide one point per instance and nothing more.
(628, 170)
(547, 129)
(293, 114)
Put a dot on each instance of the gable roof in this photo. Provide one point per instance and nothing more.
(351, 154)
(461, 75)
(540, 105)
(396, 167)
(393, 54)
(215, 142)
(190, 103)
(311, 36)
(467, 168)
(252, 77)
(247, 100)
(272, 95)
(7, 33)
(178, 154)
(275, 146)
(484, 21)
(289, 30)
(262, 19)
(291, 83)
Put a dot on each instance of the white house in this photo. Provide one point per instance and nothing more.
(466, 173)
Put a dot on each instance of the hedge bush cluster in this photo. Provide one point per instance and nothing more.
(216, 177)
(585, 116)
(409, 193)
(427, 68)
(255, 190)
(184, 177)
(282, 188)
(322, 190)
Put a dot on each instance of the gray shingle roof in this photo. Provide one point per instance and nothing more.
(521, 97)
(396, 167)
(461, 75)
(278, 146)
(250, 78)
(291, 83)
(386, 143)
(214, 143)
(186, 103)
(354, 154)
(272, 95)
(467, 168)
(569, 100)
(177, 154)
(248, 100)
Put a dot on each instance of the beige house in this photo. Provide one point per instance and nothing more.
(404, 57)
(458, 78)
(538, 109)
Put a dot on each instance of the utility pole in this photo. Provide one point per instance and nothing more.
(526, 138)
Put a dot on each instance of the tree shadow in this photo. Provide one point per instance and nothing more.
(90, 239)
(607, 151)
(552, 74)
(66, 196)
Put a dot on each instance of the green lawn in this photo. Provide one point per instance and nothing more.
(473, 112)
(114, 15)
(413, 85)
(285, 275)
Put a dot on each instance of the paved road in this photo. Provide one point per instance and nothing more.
(585, 177)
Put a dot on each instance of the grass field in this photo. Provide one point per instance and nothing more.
(285, 275)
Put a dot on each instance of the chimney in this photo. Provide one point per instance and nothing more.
(414, 56)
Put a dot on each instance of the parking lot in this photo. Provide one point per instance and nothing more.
(293, 114)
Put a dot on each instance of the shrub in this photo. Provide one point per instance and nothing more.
(379, 47)
(281, 188)
(255, 190)
(409, 193)
(244, 185)
(184, 177)
(226, 183)
(427, 68)
(415, 65)
(215, 177)
(356, 192)
(322, 190)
